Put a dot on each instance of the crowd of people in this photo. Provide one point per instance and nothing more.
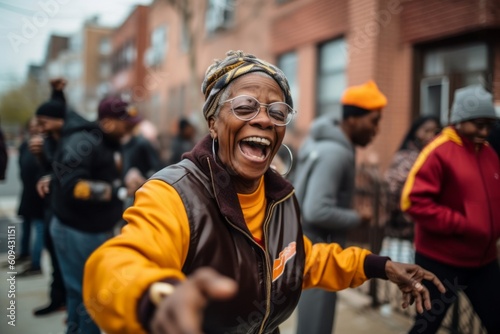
(77, 178)
(216, 240)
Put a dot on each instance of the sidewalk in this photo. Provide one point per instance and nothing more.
(354, 315)
(30, 293)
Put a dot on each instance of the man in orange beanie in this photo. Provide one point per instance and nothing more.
(325, 187)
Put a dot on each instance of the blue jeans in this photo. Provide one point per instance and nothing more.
(36, 251)
(73, 247)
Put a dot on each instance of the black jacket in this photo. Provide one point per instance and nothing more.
(31, 204)
(139, 153)
(73, 123)
(85, 153)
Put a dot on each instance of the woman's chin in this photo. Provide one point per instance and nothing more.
(252, 167)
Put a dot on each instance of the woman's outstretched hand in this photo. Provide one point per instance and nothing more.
(182, 311)
(408, 277)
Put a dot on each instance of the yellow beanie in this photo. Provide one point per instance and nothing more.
(366, 96)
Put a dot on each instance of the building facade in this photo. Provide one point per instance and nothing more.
(418, 52)
(85, 64)
(128, 44)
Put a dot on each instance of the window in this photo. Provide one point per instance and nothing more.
(74, 69)
(159, 45)
(130, 54)
(434, 97)
(458, 59)
(446, 69)
(157, 51)
(76, 42)
(331, 77)
(104, 46)
(288, 64)
(125, 56)
(220, 15)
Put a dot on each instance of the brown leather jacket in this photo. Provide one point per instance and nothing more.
(221, 239)
(196, 220)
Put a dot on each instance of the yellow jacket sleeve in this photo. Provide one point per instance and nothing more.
(330, 267)
(152, 246)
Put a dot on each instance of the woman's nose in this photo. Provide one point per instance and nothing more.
(263, 118)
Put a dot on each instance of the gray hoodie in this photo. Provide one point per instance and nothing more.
(325, 181)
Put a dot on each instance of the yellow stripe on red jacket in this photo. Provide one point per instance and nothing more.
(447, 135)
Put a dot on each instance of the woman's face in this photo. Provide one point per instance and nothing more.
(247, 147)
(426, 132)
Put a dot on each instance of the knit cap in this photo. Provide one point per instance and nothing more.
(472, 102)
(360, 100)
(52, 108)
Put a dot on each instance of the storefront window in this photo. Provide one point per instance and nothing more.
(331, 77)
(446, 69)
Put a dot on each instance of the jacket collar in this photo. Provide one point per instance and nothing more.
(276, 187)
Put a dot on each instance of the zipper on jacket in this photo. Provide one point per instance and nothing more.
(267, 220)
(268, 276)
(268, 264)
(266, 255)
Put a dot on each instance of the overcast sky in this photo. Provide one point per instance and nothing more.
(25, 26)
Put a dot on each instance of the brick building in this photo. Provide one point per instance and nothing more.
(418, 52)
(84, 63)
(128, 44)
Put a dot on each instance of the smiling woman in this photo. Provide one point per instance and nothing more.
(214, 242)
(247, 147)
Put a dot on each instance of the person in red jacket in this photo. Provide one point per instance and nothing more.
(453, 195)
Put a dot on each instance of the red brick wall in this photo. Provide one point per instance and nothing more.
(433, 19)
(393, 70)
(55, 46)
(141, 44)
(379, 33)
(361, 40)
(496, 73)
(312, 22)
(134, 27)
(376, 52)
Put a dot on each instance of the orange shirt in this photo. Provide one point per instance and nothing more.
(253, 207)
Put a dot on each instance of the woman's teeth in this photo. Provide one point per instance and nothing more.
(258, 140)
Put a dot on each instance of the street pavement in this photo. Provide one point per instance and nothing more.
(354, 314)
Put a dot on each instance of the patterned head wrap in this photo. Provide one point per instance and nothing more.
(236, 64)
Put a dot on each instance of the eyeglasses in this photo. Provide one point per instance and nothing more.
(246, 108)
